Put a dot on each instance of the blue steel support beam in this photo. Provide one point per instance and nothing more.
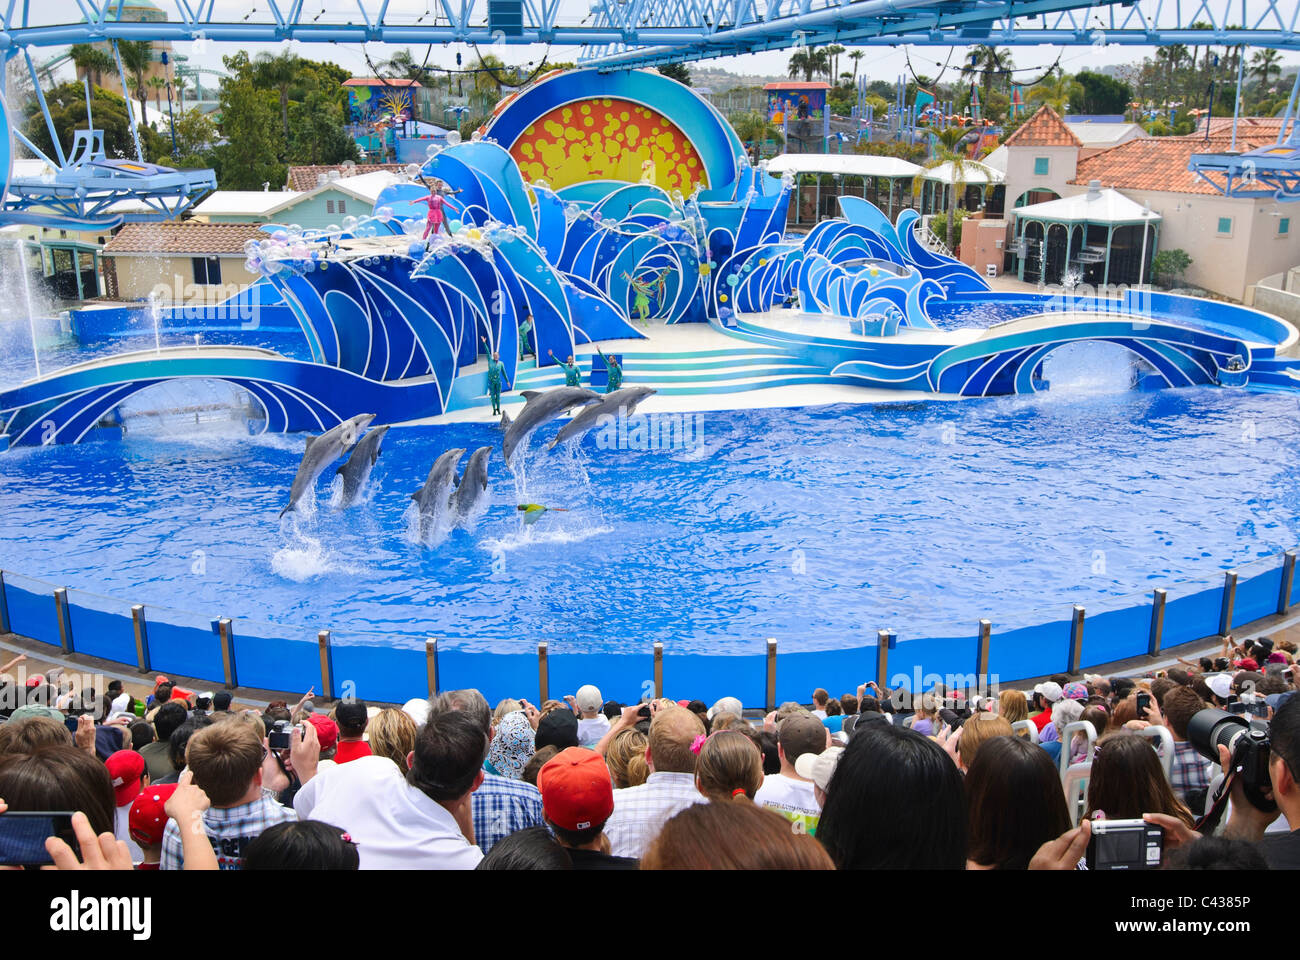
(643, 32)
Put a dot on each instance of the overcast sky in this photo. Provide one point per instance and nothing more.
(881, 63)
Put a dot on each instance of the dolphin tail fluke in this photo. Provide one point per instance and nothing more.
(416, 495)
(284, 511)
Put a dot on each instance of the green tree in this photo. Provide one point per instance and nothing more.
(676, 71)
(988, 63)
(157, 85)
(92, 62)
(1264, 64)
(278, 72)
(809, 63)
(1100, 94)
(1057, 90)
(755, 129)
(318, 133)
(254, 143)
(137, 58)
(856, 56)
(67, 103)
(1169, 266)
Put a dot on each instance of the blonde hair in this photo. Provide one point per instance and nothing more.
(979, 728)
(625, 757)
(504, 707)
(728, 761)
(391, 734)
(1013, 706)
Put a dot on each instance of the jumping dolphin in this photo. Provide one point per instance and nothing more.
(609, 405)
(322, 451)
(438, 484)
(356, 471)
(538, 409)
(472, 483)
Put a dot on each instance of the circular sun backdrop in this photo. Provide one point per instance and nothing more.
(607, 139)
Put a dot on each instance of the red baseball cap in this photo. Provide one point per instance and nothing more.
(147, 819)
(125, 768)
(577, 793)
(327, 731)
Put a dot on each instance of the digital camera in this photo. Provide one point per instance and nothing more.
(1248, 746)
(1125, 845)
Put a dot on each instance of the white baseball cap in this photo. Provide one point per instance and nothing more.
(1220, 684)
(819, 767)
(589, 698)
(1050, 691)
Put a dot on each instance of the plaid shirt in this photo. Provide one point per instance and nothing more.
(1189, 776)
(503, 806)
(641, 812)
(230, 829)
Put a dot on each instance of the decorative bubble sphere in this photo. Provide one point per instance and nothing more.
(412, 228)
(415, 251)
(385, 213)
(432, 150)
(349, 224)
(453, 137)
(412, 170)
(475, 137)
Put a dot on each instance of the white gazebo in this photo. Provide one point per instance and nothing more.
(1103, 234)
(869, 168)
(938, 180)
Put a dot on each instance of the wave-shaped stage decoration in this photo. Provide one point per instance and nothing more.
(399, 315)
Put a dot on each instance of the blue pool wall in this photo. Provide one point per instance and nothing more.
(276, 657)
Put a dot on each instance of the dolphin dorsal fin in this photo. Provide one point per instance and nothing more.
(416, 495)
(529, 394)
(311, 439)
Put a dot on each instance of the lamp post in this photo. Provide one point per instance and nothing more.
(1142, 264)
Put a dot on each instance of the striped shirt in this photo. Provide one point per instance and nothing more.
(230, 830)
(641, 812)
(503, 806)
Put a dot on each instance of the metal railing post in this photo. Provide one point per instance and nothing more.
(884, 640)
(769, 688)
(659, 670)
(543, 675)
(1283, 593)
(431, 665)
(1229, 601)
(326, 664)
(1157, 621)
(1076, 639)
(227, 634)
(65, 622)
(142, 661)
(4, 606)
(982, 651)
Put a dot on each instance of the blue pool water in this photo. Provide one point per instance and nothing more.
(817, 526)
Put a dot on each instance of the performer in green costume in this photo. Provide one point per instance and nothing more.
(644, 289)
(615, 372)
(525, 328)
(496, 375)
(572, 373)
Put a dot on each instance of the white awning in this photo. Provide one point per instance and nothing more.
(1102, 206)
(846, 164)
(972, 172)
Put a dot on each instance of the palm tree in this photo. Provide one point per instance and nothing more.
(1264, 64)
(279, 71)
(988, 62)
(1054, 90)
(137, 59)
(947, 150)
(157, 85)
(808, 62)
(754, 129)
(833, 57)
(91, 62)
(856, 56)
(401, 66)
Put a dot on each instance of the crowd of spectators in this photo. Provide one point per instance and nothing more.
(944, 778)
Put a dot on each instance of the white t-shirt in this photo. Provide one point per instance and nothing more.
(590, 731)
(819, 714)
(122, 830)
(793, 799)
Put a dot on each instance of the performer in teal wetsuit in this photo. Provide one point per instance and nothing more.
(496, 375)
(525, 328)
(572, 373)
(615, 372)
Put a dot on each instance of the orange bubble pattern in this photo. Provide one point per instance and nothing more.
(607, 139)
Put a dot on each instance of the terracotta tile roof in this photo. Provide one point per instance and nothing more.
(1250, 126)
(303, 178)
(190, 238)
(1160, 163)
(1044, 129)
(797, 85)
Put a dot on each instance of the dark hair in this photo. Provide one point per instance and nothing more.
(352, 717)
(869, 705)
(1016, 803)
(141, 734)
(271, 714)
(449, 752)
(180, 739)
(771, 758)
(301, 845)
(897, 802)
(221, 700)
(1159, 687)
(538, 760)
(115, 688)
(59, 778)
(1284, 731)
(1127, 781)
(612, 709)
(849, 704)
(576, 838)
(701, 708)
(1179, 676)
(833, 708)
(1215, 853)
(163, 693)
(531, 849)
(168, 718)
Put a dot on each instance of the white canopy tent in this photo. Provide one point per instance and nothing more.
(808, 170)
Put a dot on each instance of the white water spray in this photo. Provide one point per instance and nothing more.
(27, 295)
